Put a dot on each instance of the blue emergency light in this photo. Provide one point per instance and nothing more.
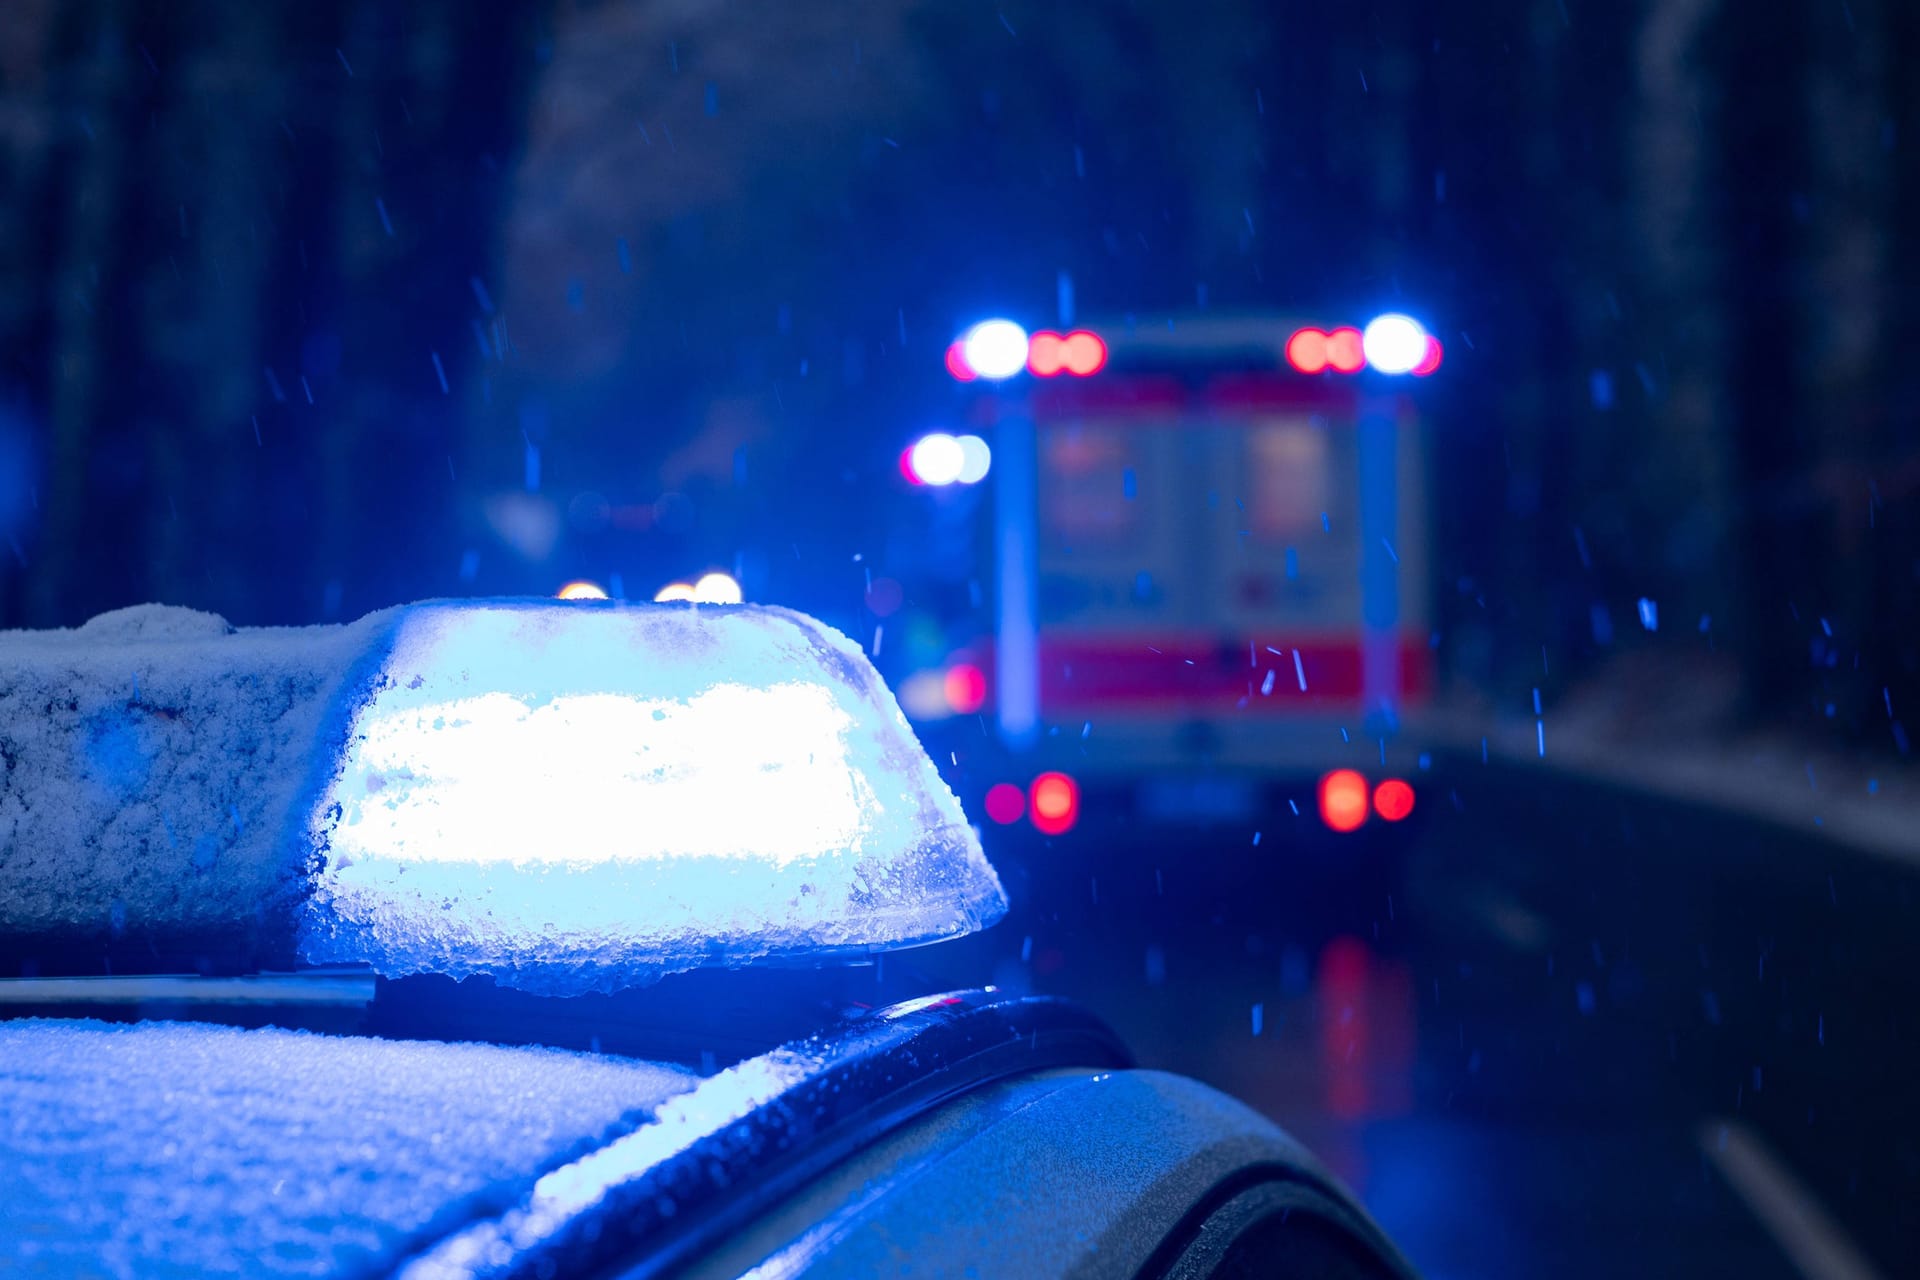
(563, 795)
(1394, 343)
(995, 349)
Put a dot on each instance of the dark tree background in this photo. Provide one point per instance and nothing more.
(306, 309)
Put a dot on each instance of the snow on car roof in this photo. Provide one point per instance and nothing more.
(566, 796)
(181, 1149)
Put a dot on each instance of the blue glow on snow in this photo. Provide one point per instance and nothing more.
(560, 1197)
(171, 1150)
(584, 796)
(564, 1193)
(117, 755)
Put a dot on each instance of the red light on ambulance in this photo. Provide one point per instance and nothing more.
(1081, 353)
(1343, 800)
(1084, 354)
(1307, 350)
(1393, 800)
(1430, 362)
(1344, 352)
(957, 363)
(1046, 354)
(1055, 801)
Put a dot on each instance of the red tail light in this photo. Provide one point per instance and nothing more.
(1343, 800)
(1393, 800)
(1055, 801)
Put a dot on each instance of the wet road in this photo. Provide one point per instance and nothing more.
(1560, 1030)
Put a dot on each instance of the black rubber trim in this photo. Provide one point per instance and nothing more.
(849, 1087)
(1255, 1196)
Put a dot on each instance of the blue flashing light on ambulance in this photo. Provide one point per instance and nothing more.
(1208, 542)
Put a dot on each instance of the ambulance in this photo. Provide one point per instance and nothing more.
(1209, 589)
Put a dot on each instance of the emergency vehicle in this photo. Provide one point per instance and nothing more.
(1208, 540)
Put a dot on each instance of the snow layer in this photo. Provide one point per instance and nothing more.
(566, 796)
(176, 1149)
(151, 763)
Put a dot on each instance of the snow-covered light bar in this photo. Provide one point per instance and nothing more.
(566, 796)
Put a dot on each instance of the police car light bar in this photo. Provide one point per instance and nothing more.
(566, 796)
